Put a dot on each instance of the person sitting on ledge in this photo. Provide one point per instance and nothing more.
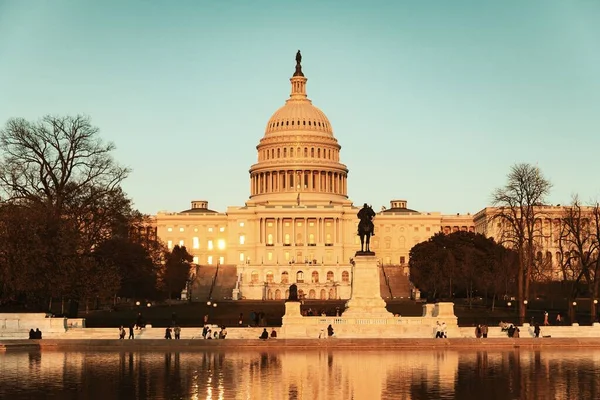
(537, 330)
(38, 333)
(31, 334)
(264, 335)
(223, 332)
(273, 334)
(330, 331)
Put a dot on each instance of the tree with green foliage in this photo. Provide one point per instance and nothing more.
(465, 262)
(176, 270)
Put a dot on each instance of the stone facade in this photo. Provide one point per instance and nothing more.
(298, 225)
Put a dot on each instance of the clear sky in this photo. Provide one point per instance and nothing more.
(432, 101)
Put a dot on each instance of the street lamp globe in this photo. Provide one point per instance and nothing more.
(595, 301)
(208, 303)
(149, 305)
(574, 303)
(137, 303)
(525, 302)
(214, 304)
(509, 304)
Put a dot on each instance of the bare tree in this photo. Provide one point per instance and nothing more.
(518, 209)
(59, 167)
(56, 160)
(579, 247)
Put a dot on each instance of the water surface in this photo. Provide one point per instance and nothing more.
(302, 374)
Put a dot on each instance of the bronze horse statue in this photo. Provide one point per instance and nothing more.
(366, 228)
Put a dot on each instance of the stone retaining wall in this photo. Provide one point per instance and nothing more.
(461, 344)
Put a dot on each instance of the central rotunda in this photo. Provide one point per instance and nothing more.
(298, 157)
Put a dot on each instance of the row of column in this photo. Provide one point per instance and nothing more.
(319, 152)
(279, 231)
(299, 180)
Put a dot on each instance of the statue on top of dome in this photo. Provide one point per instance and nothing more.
(298, 64)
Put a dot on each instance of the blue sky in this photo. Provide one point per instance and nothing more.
(432, 101)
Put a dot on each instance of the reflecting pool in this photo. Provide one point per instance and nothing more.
(302, 374)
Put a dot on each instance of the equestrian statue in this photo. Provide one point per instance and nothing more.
(366, 229)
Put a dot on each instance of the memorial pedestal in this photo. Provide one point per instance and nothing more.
(366, 301)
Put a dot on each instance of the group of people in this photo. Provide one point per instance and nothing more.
(122, 332)
(265, 335)
(37, 334)
(329, 332)
(511, 330)
(257, 318)
(481, 331)
(441, 330)
(176, 330)
(207, 333)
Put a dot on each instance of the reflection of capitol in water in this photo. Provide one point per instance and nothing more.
(302, 374)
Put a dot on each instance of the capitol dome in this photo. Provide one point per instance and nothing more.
(298, 156)
(298, 114)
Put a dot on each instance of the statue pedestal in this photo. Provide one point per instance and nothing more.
(366, 301)
(292, 310)
(292, 323)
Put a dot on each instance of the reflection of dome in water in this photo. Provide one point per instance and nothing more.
(298, 157)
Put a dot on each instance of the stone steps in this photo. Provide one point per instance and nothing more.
(202, 283)
(398, 282)
(225, 283)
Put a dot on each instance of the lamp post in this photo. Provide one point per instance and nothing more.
(574, 313)
(524, 318)
(594, 311)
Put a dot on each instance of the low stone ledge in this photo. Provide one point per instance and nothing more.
(458, 344)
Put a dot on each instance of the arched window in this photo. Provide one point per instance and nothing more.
(312, 152)
(254, 277)
(323, 294)
(312, 294)
(315, 277)
(329, 276)
(305, 152)
(345, 276)
(278, 294)
(285, 277)
(300, 294)
(269, 277)
(270, 295)
(291, 152)
(331, 294)
(300, 277)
